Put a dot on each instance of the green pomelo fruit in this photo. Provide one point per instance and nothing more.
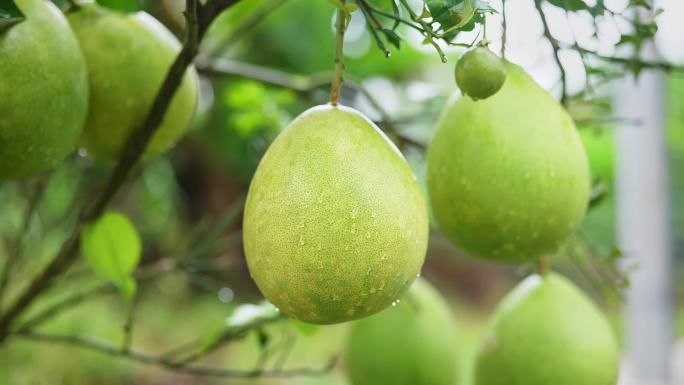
(480, 73)
(128, 57)
(508, 176)
(43, 91)
(335, 226)
(547, 332)
(412, 343)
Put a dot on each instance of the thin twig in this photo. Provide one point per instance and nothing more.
(301, 84)
(504, 29)
(226, 336)
(556, 50)
(374, 26)
(151, 359)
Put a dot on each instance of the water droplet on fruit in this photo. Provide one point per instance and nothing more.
(355, 213)
(301, 240)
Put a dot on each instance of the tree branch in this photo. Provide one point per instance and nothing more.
(556, 50)
(300, 84)
(198, 18)
(151, 359)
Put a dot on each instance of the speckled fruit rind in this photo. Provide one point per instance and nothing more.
(480, 73)
(412, 343)
(508, 176)
(335, 227)
(128, 57)
(547, 332)
(43, 91)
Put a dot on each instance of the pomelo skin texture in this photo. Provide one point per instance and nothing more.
(547, 332)
(128, 57)
(335, 226)
(43, 91)
(480, 73)
(508, 176)
(412, 343)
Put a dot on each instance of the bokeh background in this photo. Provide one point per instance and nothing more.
(187, 203)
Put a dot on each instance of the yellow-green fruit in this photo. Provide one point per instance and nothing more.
(43, 91)
(480, 73)
(412, 343)
(335, 227)
(508, 176)
(128, 57)
(547, 332)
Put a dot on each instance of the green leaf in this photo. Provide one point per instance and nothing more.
(121, 5)
(9, 14)
(640, 3)
(305, 328)
(111, 246)
(570, 5)
(392, 37)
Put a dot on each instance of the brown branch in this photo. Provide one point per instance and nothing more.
(198, 18)
(151, 359)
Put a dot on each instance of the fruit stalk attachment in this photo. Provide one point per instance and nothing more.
(341, 22)
(543, 266)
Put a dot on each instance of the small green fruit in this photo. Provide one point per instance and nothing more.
(128, 57)
(480, 73)
(508, 176)
(43, 91)
(412, 343)
(547, 332)
(335, 226)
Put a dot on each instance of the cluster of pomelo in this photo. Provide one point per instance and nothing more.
(336, 228)
(335, 225)
(88, 79)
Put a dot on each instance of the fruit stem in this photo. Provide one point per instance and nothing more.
(484, 42)
(340, 28)
(543, 266)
